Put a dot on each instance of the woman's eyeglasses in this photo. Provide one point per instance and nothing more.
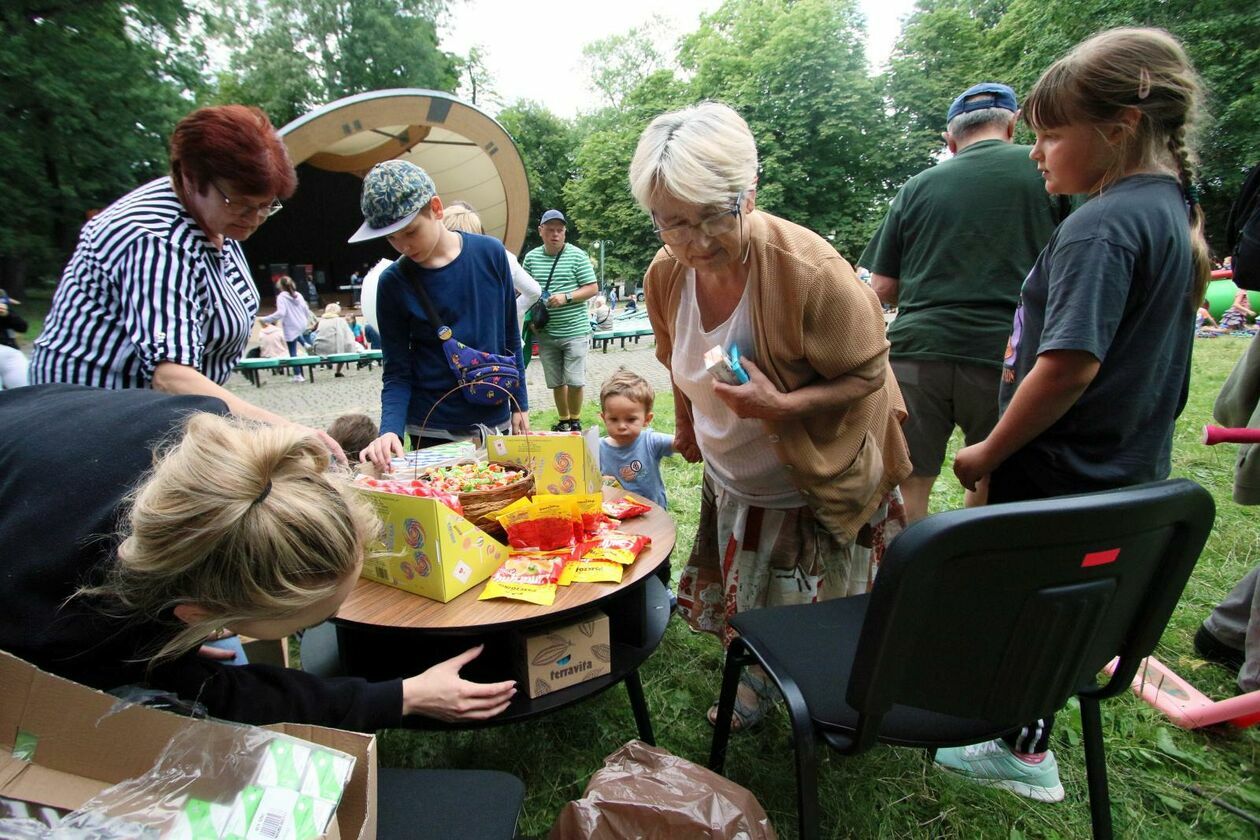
(716, 225)
(240, 208)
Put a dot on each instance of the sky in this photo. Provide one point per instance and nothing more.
(534, 51)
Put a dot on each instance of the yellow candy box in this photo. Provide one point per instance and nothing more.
(428, 549)
(562, 462)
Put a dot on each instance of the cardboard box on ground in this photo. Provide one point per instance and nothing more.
(61, 744)
(430, 550)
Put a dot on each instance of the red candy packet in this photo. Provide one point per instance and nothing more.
(543, 525)
(626, 507)
(614, 546)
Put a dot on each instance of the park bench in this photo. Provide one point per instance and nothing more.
(249, 368)
(625, 329)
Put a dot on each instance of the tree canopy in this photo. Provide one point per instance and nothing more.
(947, 45)
(92, 89)
(90, 92)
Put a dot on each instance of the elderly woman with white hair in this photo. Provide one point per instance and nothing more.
(802, 462)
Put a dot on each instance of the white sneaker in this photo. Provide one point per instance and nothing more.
(297, 377)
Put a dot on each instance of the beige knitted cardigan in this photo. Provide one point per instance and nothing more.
(813, 319)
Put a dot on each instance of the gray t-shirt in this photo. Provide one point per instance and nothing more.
(1115, 281)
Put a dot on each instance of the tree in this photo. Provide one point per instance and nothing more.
(940, 53)
(306, 53)
(547, 144)
(796, 71)
(91, 92)
(598, 197)
(619, 63)
(947, 45)
(476, 82)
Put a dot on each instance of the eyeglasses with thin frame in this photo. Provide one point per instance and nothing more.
(715, 225)
(240, 208)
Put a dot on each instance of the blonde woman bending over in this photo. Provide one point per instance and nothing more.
(127, 549)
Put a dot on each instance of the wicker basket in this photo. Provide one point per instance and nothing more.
(480, 506)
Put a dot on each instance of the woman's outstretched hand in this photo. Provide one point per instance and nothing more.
(442, 693)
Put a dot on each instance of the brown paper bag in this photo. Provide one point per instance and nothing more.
(647, 792)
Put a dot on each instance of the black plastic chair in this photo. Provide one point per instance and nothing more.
(425, 803)
(980, 621)
(447, 804)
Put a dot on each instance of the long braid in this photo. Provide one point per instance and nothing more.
(1200, 258)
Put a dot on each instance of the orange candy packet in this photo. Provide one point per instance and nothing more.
(543, 523)
(527, 577)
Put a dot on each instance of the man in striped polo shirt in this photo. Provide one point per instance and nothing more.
(568, 281)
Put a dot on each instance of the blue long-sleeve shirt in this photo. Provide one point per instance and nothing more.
(473, 295)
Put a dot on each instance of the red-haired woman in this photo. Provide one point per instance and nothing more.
(158, 293)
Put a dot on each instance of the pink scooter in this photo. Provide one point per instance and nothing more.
(1156, 683)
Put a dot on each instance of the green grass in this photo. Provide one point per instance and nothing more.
(896, 792)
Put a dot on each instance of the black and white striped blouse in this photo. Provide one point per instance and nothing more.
(145, 286)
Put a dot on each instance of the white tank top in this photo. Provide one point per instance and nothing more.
(737, 452)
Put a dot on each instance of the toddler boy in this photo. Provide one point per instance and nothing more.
(631, 452)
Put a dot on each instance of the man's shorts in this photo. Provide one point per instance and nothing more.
(564, 360)
(940, 395)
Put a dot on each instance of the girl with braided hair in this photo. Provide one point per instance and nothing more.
(1097, 367)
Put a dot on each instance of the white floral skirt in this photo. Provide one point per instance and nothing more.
(747, 557)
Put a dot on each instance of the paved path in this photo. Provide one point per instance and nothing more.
(317, 403)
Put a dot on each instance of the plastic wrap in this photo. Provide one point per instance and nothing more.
(649, 793)
(222, 781)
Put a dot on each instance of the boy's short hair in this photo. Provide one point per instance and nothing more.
(353, 432)
(628, 384)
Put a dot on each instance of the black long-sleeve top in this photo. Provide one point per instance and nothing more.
(69, 455)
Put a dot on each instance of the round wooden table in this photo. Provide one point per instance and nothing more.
(384, 633)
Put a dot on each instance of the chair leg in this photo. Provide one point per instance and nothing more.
(735, 660)
(804, 744)
(1096, 769)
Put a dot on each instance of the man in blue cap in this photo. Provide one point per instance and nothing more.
(564, 271)
(951, 254)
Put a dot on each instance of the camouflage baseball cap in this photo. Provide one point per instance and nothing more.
(393, 193)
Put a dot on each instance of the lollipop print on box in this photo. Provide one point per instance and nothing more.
(415, 533)
(566, 463)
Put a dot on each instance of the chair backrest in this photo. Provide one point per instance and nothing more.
(1002, 613)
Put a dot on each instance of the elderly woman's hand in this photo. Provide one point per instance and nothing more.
(755, 399)
(334, 448)
(685, 443)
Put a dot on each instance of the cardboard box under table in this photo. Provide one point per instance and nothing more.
(62, 743)
(564, 655)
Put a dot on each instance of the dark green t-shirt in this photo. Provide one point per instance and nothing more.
(960, 238)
